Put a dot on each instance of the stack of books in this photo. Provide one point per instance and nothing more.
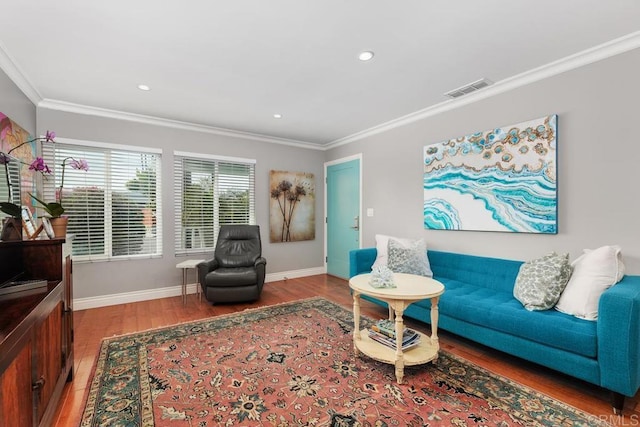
(384, 332)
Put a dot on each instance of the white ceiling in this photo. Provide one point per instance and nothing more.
(233, 64)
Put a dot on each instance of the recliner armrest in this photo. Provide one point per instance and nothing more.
(205, 267)
(261, 271)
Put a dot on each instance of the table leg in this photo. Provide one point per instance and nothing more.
(356, 321)
(399, 333)
(434, 323)
(184, 286)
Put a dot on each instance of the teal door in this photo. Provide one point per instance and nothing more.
(343, 215)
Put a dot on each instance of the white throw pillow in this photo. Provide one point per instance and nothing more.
(594, 272)
(382, 245)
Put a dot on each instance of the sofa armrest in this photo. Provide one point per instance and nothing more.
(619, 336)
(361, 260)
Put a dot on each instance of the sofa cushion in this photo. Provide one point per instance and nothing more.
(541, 281)
(595, 271)
(409, 258)
(502, 312)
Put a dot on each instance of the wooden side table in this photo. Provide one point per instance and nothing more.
(185, 266)
(410, 288)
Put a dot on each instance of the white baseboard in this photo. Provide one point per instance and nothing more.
(175, 291)
(274, 277)
(125, 297)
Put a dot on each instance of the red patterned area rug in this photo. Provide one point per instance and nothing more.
(293, 365)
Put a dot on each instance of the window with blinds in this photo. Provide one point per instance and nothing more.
(113, 207)
(210, 192)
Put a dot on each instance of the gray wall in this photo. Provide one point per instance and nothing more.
(15, 105)
(598, 165)
(106, 278)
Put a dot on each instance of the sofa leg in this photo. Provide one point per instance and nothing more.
(617, 401)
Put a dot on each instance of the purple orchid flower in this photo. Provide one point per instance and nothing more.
(39, 165)
(81, 165)
(47, 138)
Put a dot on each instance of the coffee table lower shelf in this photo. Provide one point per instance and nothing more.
(422, 353)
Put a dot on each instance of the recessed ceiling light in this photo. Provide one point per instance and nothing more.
(277, 116)
(144, 87)
(365, 56)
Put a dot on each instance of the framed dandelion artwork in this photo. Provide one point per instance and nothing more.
(502, 179)
(292, 206)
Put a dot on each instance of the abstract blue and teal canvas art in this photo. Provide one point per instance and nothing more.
(502, 179)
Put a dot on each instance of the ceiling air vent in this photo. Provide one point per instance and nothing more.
(468, 88)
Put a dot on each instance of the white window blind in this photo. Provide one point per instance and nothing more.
(113, 207)
(209, 193)
(10, 182)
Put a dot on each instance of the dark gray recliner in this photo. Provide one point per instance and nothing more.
(237, 271)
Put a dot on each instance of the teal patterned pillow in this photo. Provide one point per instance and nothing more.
(409, 257)
(541, 281)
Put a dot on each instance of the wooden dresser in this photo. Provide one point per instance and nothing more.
(36, 335)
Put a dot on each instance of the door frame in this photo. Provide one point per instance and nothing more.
(357, 156)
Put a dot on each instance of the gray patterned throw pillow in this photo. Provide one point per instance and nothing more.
(409, 257)
(541, 281)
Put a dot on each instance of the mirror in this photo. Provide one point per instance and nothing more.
(10, 182)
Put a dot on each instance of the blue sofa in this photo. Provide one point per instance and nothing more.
(478, 304)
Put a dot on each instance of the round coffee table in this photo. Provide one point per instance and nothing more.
(410, 288)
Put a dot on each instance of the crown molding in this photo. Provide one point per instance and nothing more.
(11, 68)
(614, 47)
(70, 107)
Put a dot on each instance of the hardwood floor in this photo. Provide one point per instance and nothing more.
(94, 324)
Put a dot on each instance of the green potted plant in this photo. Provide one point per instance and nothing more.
(8, 207)
(12, 226)
(55, 209)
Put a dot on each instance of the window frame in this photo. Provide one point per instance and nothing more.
(49, 190)
(178, 185)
